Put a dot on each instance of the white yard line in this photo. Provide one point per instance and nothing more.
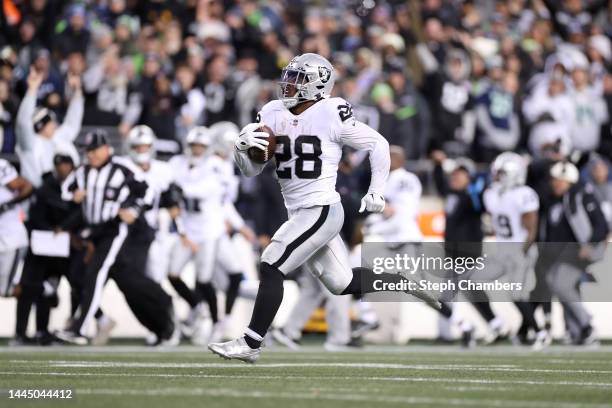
(575, 361)
(555, 350)
(606, 385)
(231, 393)
(428, 367)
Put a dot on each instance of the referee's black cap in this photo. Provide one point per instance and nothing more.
(95, 138)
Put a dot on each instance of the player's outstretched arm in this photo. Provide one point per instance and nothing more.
(362, 137)
(249, 137)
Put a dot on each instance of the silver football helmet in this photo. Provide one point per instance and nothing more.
(509, 169)
(138, 136)
(307, 77)
(198, 135)
(224, 135)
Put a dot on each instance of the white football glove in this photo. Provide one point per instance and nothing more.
(250, 137)
(373, 202)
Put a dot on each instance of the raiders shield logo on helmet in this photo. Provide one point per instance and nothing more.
(324, 74)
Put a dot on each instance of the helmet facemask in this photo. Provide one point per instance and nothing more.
(141, 140)
(199, 137)
(141, 156)
(292, 87)
(197, 152)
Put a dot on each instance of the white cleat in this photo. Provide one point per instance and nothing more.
(281, 337)
(543, 339)
(70, 337)
(217, 332)
(105, 327)
(196, 316)
(202, 333)
(172, 341)
(151, 339)
(340, 348)
(236, 349)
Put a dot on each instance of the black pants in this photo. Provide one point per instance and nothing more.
(36, 270)
(122, 257)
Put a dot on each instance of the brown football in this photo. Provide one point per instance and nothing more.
(263, 156)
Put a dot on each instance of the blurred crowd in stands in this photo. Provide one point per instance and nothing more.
(466, 77)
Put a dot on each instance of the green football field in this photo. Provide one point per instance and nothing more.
(428, 376)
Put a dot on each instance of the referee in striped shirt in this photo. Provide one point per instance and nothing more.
(113, 195)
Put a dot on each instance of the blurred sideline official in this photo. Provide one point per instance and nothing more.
(575, 216)
(41, 274)
(113, 196)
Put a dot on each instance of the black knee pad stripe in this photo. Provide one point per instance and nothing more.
(304, 237)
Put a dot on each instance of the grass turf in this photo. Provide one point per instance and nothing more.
(427, 376)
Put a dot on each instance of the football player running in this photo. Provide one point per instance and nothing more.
(201, 222)
(513, 207)
(310, 128)
(228, 272)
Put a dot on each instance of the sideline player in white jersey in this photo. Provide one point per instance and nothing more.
(310, 129)
(201, 222)
(513, 207)
(158, 175)
(398, 222)
(13, 235)
(228, 274)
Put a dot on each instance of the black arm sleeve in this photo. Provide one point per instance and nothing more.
(440, 180)
(137, 198)
(597, 218)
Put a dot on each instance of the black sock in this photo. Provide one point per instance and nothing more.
(232, 292)
(183, 290)
(527, 314)
(208, 293)
(363, 281)
(267, 302)
(445, 310)
(484, 308)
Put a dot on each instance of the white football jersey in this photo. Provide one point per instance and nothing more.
(231, 183)
(203, 196)
(507, 207)
(403, 193)
(309, 148)
(158, 178)
(230, 180)
(12, 231)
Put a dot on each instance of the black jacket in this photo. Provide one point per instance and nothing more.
(48, 211)
(463, 210)
(559, 228)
